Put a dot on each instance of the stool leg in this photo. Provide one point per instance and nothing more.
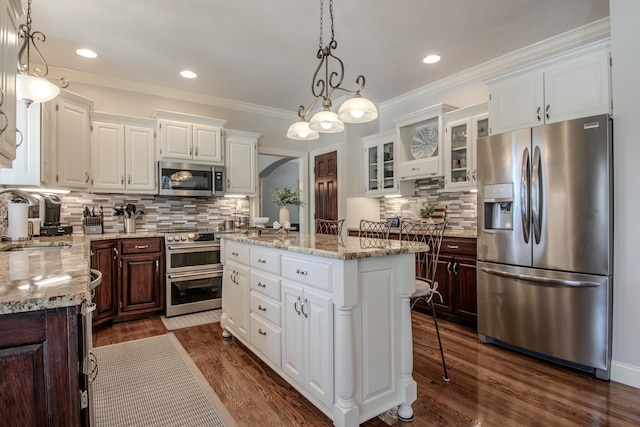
(435, 321)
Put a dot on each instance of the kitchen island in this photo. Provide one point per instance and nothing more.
(330, 314)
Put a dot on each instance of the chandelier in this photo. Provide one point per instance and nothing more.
(324, 84)
(33, 88)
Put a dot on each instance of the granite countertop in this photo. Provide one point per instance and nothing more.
(467, 234)
(50, 272)
(340, 247)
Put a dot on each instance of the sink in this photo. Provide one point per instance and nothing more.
(36, 247)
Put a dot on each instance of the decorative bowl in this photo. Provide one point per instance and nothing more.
(260, 221)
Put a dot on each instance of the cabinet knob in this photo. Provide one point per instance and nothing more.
(538, 114)
(302, 308)
(295, 306)
(128, 179)
(86, 177)
(121, 179)
(546, 111)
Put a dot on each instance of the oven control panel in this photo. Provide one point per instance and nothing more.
(190, 237)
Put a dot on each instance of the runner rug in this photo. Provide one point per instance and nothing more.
(153, 382)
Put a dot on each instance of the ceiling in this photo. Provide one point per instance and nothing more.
(264, 51)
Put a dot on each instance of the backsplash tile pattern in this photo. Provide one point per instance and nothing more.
(160, 212)
(461, 207)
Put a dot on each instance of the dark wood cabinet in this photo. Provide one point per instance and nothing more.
(39, 368)
(142, 283)
(136, 269)
(456, 276)
(104, 257)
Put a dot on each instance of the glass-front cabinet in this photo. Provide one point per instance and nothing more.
(463, 128)
(380, 165)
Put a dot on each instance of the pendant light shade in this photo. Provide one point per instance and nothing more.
(357, 110)
(301, 131)
(327, 79)
(326, 121)
(30, 89)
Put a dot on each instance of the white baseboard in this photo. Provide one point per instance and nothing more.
(625, 374)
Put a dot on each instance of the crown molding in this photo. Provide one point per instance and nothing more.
(597, 32)
(165, 92)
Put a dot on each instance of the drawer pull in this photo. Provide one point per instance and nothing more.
(261, 332)
(142, 246)
(261, 308)
(302, 272)
(261, 285)
(234, 253)
(262, 261)
(453, 246)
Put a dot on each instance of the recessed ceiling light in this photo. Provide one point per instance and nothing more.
(188, 74)
(87, 53)
(431, 59)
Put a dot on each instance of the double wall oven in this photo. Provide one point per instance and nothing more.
(193, 272)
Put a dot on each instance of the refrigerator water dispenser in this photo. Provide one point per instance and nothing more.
(498, 206)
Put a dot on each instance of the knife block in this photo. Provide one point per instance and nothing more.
(93, 225)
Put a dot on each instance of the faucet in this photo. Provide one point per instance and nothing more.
(23, 194)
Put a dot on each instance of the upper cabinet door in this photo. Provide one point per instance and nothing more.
(176, 140)
(73, 144)
(241, 162)
(517, 103)
(140, 159)
(107, 156)
(207, 143)
(577, 88)
(8, 69)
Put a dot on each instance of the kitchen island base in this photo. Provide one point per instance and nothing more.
(337, 330)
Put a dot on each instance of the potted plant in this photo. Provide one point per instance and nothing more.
(426, 213)
(285, 197)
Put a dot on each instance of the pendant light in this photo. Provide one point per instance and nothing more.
(323, 86)
(35, 87)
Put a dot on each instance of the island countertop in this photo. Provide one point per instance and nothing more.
(328, 246)
(48, 272)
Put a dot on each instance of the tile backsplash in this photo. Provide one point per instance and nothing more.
(461, 207)
(160, 212)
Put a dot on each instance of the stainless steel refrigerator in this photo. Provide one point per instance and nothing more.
(545, 231)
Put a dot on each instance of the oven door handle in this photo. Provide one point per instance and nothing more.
(200, 247)
(204, 274)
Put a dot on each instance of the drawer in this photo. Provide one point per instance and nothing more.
(237, 252)
(265, 260)
(307, 272)
(265, 284)
(139, 246)
(266, 338)
(265, 307)
(458, 246)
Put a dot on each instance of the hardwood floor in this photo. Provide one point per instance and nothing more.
(490, 385)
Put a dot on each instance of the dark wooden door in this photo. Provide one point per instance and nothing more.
(465, 287)
(141, 283)
(326, 185)
(104, 258)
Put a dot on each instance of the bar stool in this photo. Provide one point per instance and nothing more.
(426, 263)
(329, 226)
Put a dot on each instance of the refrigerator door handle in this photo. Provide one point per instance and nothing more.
(546, 281)
(525, 212)
(536, 195)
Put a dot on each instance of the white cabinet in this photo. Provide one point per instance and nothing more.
(235, 298)
(420, 142)
(27, 165)
(10, 11)
(187, 137)
(241, 162)
(72, 140)
(463, 128)
(123, 154)
(307, 341)
(380, 169)
(573, 86)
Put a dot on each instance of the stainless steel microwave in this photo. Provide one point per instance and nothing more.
(190, 179)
